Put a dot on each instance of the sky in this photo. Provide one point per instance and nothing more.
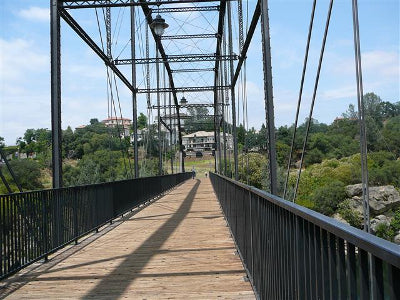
(25, 62)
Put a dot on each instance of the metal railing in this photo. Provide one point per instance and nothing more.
(36, 224)
(291, 252)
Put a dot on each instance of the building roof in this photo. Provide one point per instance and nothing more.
(199, 134)
(116, 118)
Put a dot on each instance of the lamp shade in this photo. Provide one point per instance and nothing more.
(159, 25)
(183, 101)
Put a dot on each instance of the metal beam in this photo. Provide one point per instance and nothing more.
(221, 20)
(56, 133)
(134, 98)
(123, 3)
(189, 36)
(86, 38)
(177, 58)
(269, 103)
(182, 89)
(193, 105)
(193, 70)
(184, 9)
(250, 33)
(165, 124)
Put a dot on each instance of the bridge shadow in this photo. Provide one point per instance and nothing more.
(138, 259)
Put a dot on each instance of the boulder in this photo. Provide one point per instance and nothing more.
(339, 218)
(396, 238)
(381, 219)
(381, 198)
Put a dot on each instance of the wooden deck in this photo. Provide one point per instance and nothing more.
(176, 248)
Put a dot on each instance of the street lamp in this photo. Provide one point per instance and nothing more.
(159, 25)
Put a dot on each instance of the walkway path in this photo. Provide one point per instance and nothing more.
(177, 248)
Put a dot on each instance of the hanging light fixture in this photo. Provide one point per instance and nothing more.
(183, 101)
(159, 25)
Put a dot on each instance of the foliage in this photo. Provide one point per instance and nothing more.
(141, 121)
(253, 170)
(385, 231)
(27, 173)
(328, 197)
(349, 214)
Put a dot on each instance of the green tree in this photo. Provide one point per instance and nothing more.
(142, 121)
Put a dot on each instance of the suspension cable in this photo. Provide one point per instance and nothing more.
(310, 27)
(313, 98)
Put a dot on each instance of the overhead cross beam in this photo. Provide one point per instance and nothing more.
(185, 9)
(193, 105)
(183, 89)
(189, 36)
(193, 70)
(123, 3)
(177, 58)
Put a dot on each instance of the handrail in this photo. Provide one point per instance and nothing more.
(47, 220)
(290, 251)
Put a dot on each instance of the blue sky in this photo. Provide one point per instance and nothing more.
(25, 62)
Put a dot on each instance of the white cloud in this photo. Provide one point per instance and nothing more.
(20, 57)
(35, 13)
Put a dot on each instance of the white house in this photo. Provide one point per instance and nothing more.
(203, 141)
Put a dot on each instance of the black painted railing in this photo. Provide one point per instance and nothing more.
(36, 224)
(291, 252)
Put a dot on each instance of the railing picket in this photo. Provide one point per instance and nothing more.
(342, 270)
(364, 274)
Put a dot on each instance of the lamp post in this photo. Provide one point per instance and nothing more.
(158, 26)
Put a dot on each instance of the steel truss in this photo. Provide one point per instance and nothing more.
(123, 3)
(193, 70)
(184, 9)
(183, 89)
(193, 105)
(189, 36)
(177, 58)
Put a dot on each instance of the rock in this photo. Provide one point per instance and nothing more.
(381, 219)
(381, 198)
(339, 218)
(354, 190)
(396, 238)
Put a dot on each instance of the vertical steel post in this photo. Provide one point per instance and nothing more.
(361, 118)
(160, 172)
(233, 99)
(269, 103)
(170, 134)
(134, 98)
(56, 133)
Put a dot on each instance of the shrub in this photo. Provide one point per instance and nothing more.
(327, 198)
(385, 231)
(350, 215)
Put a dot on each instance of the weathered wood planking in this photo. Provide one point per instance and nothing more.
(177, 248)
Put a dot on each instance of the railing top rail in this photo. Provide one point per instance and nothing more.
(87, 185)
(381, 248)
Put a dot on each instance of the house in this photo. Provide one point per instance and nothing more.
(123, 123)
(203, 141)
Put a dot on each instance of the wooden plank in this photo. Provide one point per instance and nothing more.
(177, 248)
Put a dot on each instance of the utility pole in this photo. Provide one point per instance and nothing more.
(56, 133)
(269, 103)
